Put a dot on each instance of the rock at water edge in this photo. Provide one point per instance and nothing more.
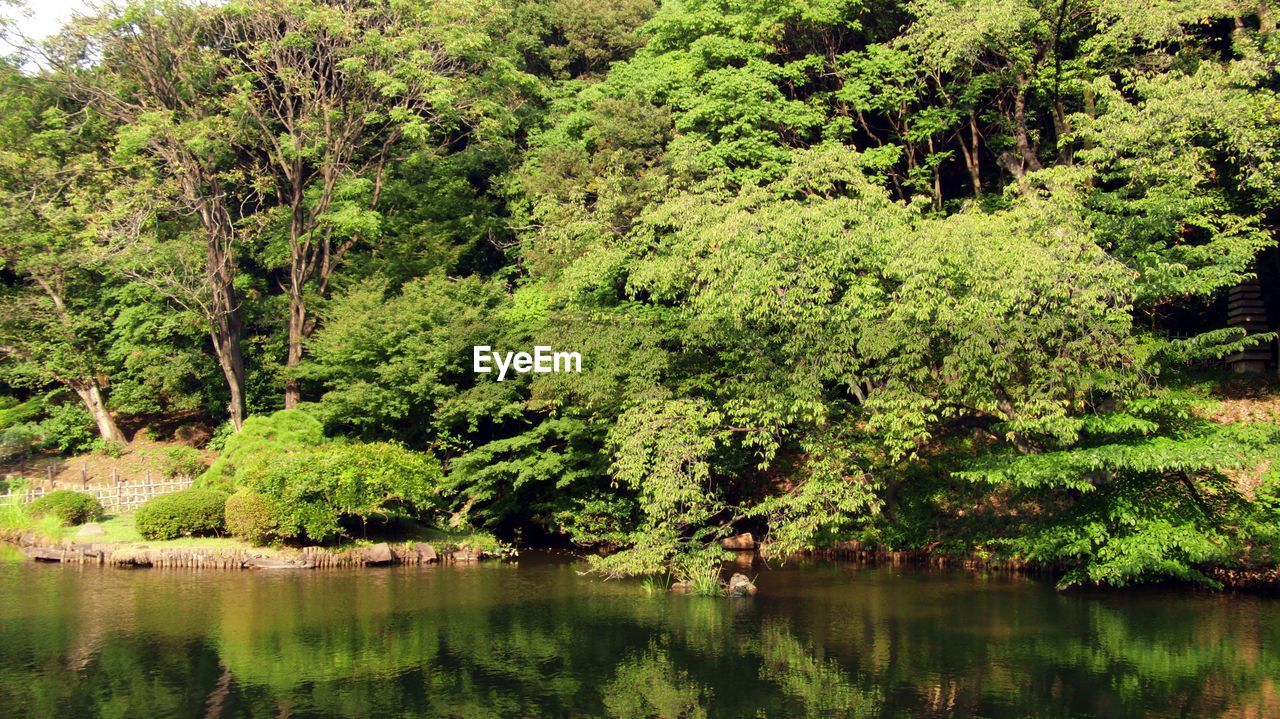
(426, 553)
(379, 554)
(741, 586)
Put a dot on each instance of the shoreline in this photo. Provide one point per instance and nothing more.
(136, 555)
(149, 555)
(1233, 579)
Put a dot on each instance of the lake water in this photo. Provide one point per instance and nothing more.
(537, 639)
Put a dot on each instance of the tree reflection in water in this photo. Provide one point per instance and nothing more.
(539, 640)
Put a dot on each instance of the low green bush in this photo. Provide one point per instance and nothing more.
(190, 513)
(263, 441)
(20, 441)
(69, 507)
(314, 492)
(68, 428)
(251, 517)
(109, 448)
(182, 462)
(13, 412)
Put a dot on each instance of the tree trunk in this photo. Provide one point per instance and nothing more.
(1062, 128)
(223, 310)
(226, 346)
(1021, 135)
(297, 332)
(224, 332)
(1025, 157)
(91, 395)
(937, 178)
(972, 162)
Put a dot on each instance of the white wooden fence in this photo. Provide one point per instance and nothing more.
(121, 496)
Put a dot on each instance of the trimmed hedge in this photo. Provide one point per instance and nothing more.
(190, 513)
(251, 517)
(69, 507)
(313, 492)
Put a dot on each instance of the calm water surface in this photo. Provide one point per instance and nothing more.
(536, 639)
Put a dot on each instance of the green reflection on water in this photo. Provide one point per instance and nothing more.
(539, 640)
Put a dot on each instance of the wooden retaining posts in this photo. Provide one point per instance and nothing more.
(859, 553)
(1260, 580)
(141, 555)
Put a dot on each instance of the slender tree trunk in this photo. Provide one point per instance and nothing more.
(223, 310)
(1062, 128)
(91, 395)
(297, 332)
(226, 347)
(972, 162)
(1021, 135)
(225, 331)
(1024, 158)
(937, 179)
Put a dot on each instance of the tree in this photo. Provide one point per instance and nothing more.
(324, 96)
(55, 315)
(151, 69)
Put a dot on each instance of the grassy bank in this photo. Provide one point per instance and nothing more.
(120, 529)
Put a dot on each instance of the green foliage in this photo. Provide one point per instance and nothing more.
(264, 440)
(927, 274)
(70, 508)
(13, 412)
(251, 517)
(189, 513)
(182, 462)
(67, 428)
(313, 492)
(1140, 501)
(19, 441)
(221, 435)
(47, 423)
(109, 448)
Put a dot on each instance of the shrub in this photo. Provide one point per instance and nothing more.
(109, 448)
(13, 412)
(251, 517)
(190, 513)
(68, 428)
(262, 441)
(182, 462)
(221, 435)
(69, 507)
(314, 491)
(20, 441)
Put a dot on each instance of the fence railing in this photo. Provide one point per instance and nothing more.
(121, 495)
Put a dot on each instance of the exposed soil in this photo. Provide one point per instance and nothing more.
(141, 456)
(1244, 401)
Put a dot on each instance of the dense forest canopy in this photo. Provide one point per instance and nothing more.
(942, 274)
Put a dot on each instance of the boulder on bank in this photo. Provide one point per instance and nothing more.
(744, 542)
(92, 529)
(465, 553)
(426, 553)
(276, 563)
(379, 554)
(43, 554)
(741, 586)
